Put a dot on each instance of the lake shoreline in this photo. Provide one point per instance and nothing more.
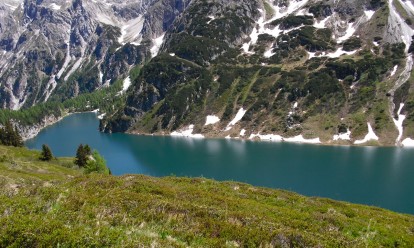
(37, 129)
(326, 144)
(34, 131)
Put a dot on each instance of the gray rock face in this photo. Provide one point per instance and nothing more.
(283, 61)
(46, 46)
(290, 64)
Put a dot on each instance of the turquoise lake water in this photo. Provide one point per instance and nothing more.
(375, 176)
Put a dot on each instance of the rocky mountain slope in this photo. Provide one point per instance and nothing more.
(54, 204)
(54, 50)
(335, 72)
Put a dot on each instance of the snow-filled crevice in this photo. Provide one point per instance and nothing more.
(261, 26)
(399, 123)
(369, 137)
(50, 87)
(79, 62)
(157, 43)
(240, 114)
(351, 27)
(125, 86)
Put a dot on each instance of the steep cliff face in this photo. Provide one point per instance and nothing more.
(293, 70)
(59, 49)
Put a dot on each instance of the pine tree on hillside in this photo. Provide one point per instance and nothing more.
(87, 149)
(82, 155)
(46, 154)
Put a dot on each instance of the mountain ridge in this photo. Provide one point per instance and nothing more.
(338, 72)
(340, 29)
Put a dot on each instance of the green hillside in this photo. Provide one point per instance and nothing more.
(44, 204)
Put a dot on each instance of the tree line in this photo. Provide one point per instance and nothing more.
(10, 136)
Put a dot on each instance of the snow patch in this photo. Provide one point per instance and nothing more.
(343, 136)
(399, 123)
(269, 53)
(51, 86)
(260, 27)
(100, 117)
(394, 70)
(369, 14)
(188, 133)
(321, 24)
(243, 132)
(130, 31)
(100, 77)
(212, 18)
(55, 6)
(408, 142)
(401, 30)
(74, 67)
(157, 45)
(338, 53)
(126, 84)
(236, 119)
(301, 139)
(211, 120)
(267, 137)
(370, 136)
(348, 33)
(294, 5)
(278, 138)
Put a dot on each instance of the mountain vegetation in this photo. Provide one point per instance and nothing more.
(46, 154)
(53, 203)
(10, 136)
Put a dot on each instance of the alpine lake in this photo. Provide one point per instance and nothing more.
(376, 176)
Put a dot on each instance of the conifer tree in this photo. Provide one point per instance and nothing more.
(88, 150)
(82, 155)
(46, 154)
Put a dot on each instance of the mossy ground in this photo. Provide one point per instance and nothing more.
(49, 204)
